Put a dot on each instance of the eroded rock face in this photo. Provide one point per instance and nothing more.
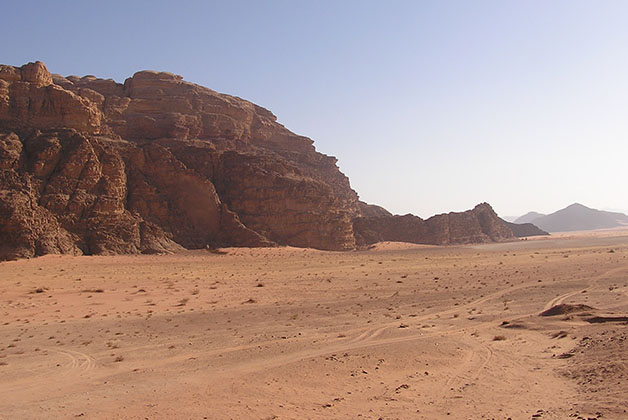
(91, 166)
(372, 210)
(473, 226)
(29, 99)
(153, 165)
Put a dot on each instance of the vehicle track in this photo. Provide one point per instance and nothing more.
(78, 360)
(78, 364)
(592, 284)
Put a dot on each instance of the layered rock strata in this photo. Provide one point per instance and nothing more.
(157, 164)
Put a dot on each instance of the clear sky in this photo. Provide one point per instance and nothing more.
(430, 106)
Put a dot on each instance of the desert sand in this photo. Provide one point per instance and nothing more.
(396, 332)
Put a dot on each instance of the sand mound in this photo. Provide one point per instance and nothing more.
(396, 246)
(565, 308)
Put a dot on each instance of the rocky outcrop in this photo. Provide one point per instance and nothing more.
(29, 98)
(372, 210)
(103, 196)
(156, 164)
(523, 230)
(474, 226)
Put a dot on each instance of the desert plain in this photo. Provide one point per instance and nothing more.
(394, 332)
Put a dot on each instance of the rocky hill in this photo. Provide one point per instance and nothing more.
(91, 166)
(522, 230)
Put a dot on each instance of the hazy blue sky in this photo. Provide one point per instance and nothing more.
(430, 106)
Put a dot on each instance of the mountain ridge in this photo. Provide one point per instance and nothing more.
(576, 217)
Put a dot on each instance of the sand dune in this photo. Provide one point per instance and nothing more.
(396, 332)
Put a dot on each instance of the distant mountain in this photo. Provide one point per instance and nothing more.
(614, 210)
(576, 217)
(528, 217)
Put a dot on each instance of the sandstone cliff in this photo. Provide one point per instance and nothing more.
(473, 226)
(91, 166)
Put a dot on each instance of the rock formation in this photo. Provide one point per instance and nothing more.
(372, 210)
(473, 226)
(522, 230)
(91, 166)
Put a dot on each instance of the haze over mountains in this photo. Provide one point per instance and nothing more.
(574, 218)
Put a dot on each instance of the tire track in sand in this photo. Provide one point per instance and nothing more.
(592, 284)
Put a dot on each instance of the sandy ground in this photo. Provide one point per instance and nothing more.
(396, 332)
